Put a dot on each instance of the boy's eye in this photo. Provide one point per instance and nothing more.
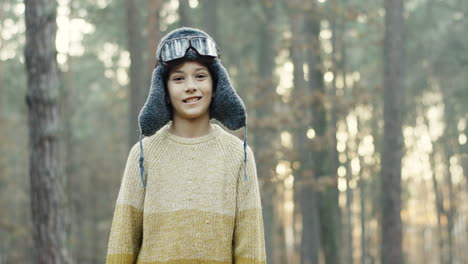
(177, 78)
(201, 75)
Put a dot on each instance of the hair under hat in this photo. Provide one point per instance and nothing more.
(226, 105)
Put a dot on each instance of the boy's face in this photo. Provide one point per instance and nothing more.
(190, 89)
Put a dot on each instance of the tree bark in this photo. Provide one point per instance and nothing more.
(210, 18)
(266, 98)
(439, 200)
(349, 214)
(135, 86)
(449, 146)
(184, 17)
(362, 198)
(306, 195)
(153, 34)
(46, 172)
(338, 28)
(322, 156)
(279, 253)
(391, 225)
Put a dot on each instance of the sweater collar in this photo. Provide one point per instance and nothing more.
(215, 130)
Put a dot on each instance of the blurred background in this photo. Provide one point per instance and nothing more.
(312, 75)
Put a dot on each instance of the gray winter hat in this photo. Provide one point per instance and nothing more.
(226, 105)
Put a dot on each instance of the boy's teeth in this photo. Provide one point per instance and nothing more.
(192, 100)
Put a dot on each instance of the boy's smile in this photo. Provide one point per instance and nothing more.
(190, 87)
(192, 99)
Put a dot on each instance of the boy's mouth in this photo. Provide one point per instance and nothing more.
(192, 99)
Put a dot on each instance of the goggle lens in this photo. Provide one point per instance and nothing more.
(176, 48)
(204, 46)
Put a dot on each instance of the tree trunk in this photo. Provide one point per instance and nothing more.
(338, 28)
(449, 145)
(46, 172)
(72, 187)
(184, 10)
(153, 35)
(451, 209)
(464, 162)
(306, 196)
(210, 18)
(321, 159)
(391, 225)
(279, 253)
(266, 97)
(363, 196)
(439, 199)
(349, 214)
(135, 86)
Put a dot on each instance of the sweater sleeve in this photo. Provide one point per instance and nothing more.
(127, 224)
(249, 238)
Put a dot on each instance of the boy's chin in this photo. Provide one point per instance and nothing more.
(192, 116)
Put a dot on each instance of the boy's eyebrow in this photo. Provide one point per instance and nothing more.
(197, 69)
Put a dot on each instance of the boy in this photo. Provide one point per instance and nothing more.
(193, 197)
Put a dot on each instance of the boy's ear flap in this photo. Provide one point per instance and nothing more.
(156, 112)
(226, 106)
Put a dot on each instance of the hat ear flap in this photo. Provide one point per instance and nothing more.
(156, 112)
(226, 106)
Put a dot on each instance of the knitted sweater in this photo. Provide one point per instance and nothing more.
(196, 208)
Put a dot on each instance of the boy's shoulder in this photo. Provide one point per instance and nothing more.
(234, 144)
(229, 139)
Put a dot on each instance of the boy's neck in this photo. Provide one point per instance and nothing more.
(190, 129)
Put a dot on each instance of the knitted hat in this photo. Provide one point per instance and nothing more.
(226, 105)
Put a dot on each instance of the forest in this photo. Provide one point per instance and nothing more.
(356, 116)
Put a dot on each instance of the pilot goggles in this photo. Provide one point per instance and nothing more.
(176, 48)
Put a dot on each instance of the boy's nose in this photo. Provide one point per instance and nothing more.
(191, 86)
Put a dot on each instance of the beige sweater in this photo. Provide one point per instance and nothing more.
(196, 208)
